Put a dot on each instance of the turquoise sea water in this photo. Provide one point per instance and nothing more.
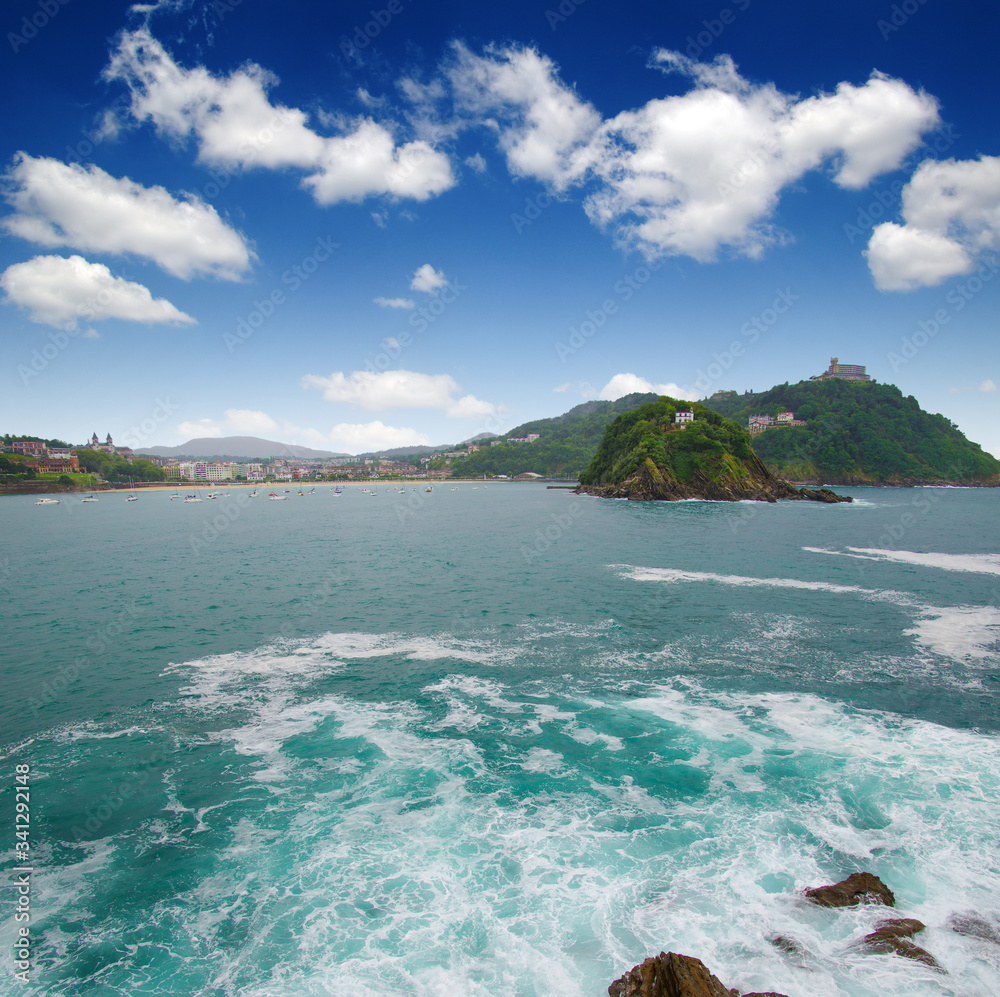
(498, 741)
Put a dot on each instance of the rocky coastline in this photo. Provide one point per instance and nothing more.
(650, 484)
(671, 974)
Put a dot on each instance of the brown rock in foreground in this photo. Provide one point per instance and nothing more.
(895, 936)
(673, 975)
(858, 888)
(670, 975)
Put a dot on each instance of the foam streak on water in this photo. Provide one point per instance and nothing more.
(988, 564)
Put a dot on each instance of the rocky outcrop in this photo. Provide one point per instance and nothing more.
(895, 936)
(859, 888)
(823, 495)
(671, 974)
(650, 484)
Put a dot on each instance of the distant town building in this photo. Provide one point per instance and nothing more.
(107, 447)
(843, 371)
(55, 465)
(784, 417)
(30, 448)
(683, 417)
(761, 420)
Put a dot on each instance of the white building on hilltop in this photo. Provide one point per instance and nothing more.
(842, 371)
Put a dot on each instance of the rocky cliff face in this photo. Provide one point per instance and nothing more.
(652, 483)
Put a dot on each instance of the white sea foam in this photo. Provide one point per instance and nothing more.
(589, 736)
(875, 807)
(988, 564)
(451, 860)
(543, 760)
(676, 575)
(960, 633)
(90, 731)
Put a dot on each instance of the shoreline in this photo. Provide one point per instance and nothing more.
(52, 488)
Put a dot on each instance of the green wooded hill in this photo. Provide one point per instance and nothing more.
(566, 443)
(645, 455)
(858, 432)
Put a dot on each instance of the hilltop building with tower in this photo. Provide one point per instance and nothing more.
(843, 371)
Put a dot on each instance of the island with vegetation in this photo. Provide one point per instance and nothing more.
(668, 450)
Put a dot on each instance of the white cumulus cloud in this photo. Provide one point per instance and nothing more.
(60, 292)
(693, 173)
(951, 214)
(399, 389)
(60, 204)
(394, 302)
(236, 125)
(903, 257)
(627, 384)
(368, 436)
(366, 161)
(427, 279)
(237, 422)
(546, 126)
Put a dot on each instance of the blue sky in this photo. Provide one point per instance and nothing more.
(362, 225)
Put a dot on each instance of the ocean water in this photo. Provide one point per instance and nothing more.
(499, 740)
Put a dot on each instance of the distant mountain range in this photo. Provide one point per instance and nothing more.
(237, 447)
(251, 447)
(407, 451)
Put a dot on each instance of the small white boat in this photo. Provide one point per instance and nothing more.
(428, 489)
(176, 495)
(131, 497)
(192, 498)
(90, 498)
(47, 501)
(275, 497)
(253, 494)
